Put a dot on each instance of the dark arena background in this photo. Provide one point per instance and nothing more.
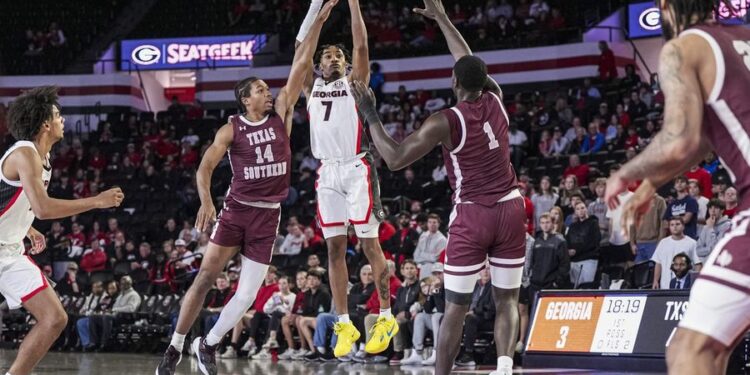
(144, 86)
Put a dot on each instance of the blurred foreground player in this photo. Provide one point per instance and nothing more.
(35, 121)
(488, 215)
(347, 188)
(258, 145)
(704, 70)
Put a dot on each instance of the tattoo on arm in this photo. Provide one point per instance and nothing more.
(660, 158)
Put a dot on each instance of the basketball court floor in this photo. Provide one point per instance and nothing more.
(67, 363)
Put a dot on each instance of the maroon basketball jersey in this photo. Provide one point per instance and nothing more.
(479, 166)
(727, 109)
(261, 160)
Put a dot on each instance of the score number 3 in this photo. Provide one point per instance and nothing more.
(564, 330)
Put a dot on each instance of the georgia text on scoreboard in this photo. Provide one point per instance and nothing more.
(605, 322)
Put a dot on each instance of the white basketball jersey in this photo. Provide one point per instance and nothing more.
(16, 215)
(336, 131)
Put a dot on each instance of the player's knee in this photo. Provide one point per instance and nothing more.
(56, 321)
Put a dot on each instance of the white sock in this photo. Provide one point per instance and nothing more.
(312, 12)
(386, 313)
(361, 346)
(321, 350)
(178, 342)
(504, 362)
(343, 318)
(212, 339)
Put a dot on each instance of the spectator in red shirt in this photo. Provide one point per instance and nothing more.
(254, 317)
(135, 157)
(188, 156)
(390, 36)
(313, 243)
(607, 67)
(457, 16)
(529, 207)
(623, 115)
(96, 232)
(94, 259)
(386, 231)
(704, 179)
(730, 199)
(77, 238)
(631, 141)
(581, 171)
(556, 21)
(97, 160)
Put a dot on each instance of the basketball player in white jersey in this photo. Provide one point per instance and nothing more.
(347, 187)
(34, 120)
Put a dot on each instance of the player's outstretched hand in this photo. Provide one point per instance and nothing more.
(110, 198)
(637, 206)
(363, 96)
(325, 11)
(38, 241)
(205, 218)
(432, 9)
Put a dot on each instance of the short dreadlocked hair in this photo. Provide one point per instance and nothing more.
(242, 90)
(319, 52)
(30, 110)
(684, 10)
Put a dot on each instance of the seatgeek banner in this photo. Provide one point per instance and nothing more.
(644, 19)
(190, 53)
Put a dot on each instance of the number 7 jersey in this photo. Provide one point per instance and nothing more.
(336, 131)
(478, 166)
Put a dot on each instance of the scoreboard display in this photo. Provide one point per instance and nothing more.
(604, 323)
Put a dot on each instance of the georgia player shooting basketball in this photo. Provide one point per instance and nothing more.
(257, 142)
(704, 72)
(347, 188)
(485, 222)
(34, 120)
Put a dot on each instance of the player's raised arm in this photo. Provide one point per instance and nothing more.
(212, 157)
(360, 52)
(302, 65)
(679, 144)
(397, 156)
(434, 9)
(26, 160)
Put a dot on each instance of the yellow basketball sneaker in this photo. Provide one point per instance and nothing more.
(382, 333)
(346, 336)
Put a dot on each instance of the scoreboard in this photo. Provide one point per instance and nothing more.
(581, 326)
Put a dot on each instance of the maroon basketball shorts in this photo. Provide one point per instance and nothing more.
(252, 228)
(720, 298)
(479, 233)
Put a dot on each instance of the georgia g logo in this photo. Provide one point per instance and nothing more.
(146, 54)
(650, 19)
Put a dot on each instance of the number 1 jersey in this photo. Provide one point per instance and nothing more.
(336, 131)
(478, 166)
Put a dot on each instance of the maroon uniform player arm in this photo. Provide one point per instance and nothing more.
(433, 131)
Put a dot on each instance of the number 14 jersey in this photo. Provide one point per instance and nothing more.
(336, 131)
(478, 166)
